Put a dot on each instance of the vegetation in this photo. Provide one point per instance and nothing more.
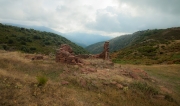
(151, 47)
(18, 83)
(123, 41)
(33, 41)
(42, 80)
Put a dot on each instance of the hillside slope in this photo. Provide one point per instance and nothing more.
(155, 48)
(121, 41)
(33, 41)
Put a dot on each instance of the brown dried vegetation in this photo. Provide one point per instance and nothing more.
(97, 82)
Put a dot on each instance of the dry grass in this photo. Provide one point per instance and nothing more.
(19, 85)
(167, 77)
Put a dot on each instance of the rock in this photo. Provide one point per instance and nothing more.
(91, 70)
(125, 73)
(83, 82)
(80, 64)
(66, 48)
(65, 55)
(105, 83)
(65, 68)
(64, 82)
(159, 96)
(110, 63)
(87, 63)
(133, 75)
(153, 81)
(119, 86)
(105, 54)
(83, 70)
(83, 56)
(113, 82)
(35, 57)
(38, 57)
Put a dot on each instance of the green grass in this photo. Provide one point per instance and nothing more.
(42, 80)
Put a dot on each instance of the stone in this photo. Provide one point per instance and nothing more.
(80, 64)
(91, 70)
(35, 57)
(38, 57)
(113, 82)
(105, 54)
(134, 75)
(159, 96)
(83, 82)
(64, 82)
(65, 55)
(67, 48)
(119, 86)
(105, 83)
(110, 63)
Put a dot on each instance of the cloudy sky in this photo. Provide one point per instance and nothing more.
(104, 17)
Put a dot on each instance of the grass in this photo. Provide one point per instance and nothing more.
(42, 80)
(18, 84)
(167, 76)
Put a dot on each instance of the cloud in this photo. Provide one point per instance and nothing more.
(110, 17)
(137, 15)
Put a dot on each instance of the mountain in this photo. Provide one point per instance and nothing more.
(85, 38)
(144, 47)
(151, 47)
(81, 39)
(39, 28)
(81, 44)
(115, 43)
(33, 41)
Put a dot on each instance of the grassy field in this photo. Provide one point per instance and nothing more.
(167, 75)
(23, 82)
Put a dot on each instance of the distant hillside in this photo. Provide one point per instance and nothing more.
(151, 47)
(33, 41)
(81, 39)
(121, 41)
(85, 39)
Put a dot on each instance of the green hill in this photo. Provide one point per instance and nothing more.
(121, 42)
(151, 47)
(33, 41)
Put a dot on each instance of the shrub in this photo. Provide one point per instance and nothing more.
(145, 88)
(42, 80)
(10, 41)
(24, 49)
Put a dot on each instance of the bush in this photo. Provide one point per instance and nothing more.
(42, 80)
(24, 49)
(145, 88)
(5, 47)
(10, 41)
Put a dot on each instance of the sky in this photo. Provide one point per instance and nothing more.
(103, 17)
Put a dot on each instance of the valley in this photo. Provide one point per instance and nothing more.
(143, 69)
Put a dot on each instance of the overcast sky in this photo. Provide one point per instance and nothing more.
(104, 17)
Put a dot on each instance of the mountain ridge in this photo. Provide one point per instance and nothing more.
(31, 41)
(154, 46)
(81, 39)
(161, 47)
